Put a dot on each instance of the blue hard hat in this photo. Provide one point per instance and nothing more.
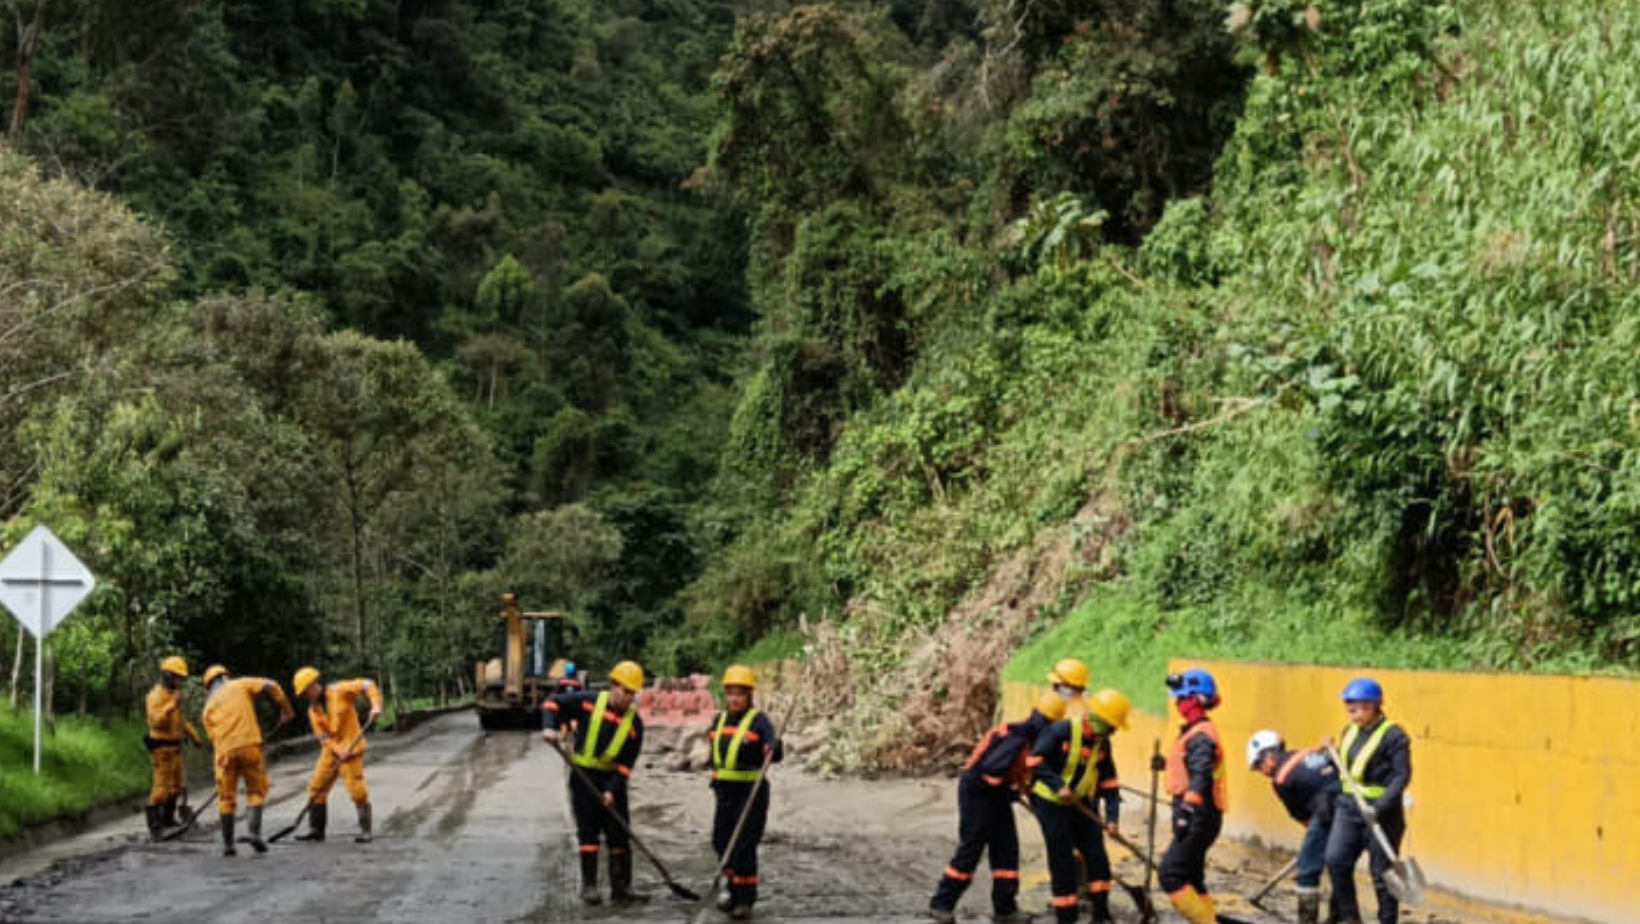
(569, 668)
(1193, 682)
(1363, 690)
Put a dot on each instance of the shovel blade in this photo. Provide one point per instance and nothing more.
(1413, 877)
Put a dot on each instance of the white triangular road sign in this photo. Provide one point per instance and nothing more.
(41, 582)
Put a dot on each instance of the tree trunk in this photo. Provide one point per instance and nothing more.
(48, 686)
(17, 667)
(28, 41)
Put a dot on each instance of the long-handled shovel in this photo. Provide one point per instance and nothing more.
(679, 889)
(284, 832)
(1150, 867)
(193, 817)
(1283, 873)
(745, 813)
(1404, 878)
(1139, 894)
(1157, 764)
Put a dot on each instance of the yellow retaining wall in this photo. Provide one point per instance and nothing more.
(1526, 789)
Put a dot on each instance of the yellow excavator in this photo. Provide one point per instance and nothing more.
(528, 669)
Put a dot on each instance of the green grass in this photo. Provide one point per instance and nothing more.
(1127, 641)
(776, 646)
(86, 763)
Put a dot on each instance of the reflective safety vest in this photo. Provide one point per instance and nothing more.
(1079, 776)
(1358, 766)
(588, 755)
(1178, 775)
(723, 764)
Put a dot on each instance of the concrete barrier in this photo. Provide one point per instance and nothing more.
(1526, 789)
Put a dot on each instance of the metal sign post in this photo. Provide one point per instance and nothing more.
(41, 582)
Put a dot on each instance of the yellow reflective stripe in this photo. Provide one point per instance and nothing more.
(1358, 766)
(588, 756)
(723, 766)
(1079, 787)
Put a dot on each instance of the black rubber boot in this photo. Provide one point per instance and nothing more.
(156, 821)
(365, 834)
(1015, 916)
(227, 837)
(620, 880)
(1100, 902)
(941, 915)
(1309, 908)
(168, 817)
(318, 815)
(589, 879)
(253, 829)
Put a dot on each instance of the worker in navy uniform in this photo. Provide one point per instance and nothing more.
(1378, 755)
(1070, 761)
(995, 775)
(1196, 781)
(609, 735)
(1306, 783)
(741, 738)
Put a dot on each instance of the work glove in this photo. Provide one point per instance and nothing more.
(1184, 816)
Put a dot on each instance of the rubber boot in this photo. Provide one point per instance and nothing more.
(227, 837)
(1015, 916)
(1100, 901)
(741, 913)
(156, 821)
(365, 834)
(620, 880)
(318, 816)
(1194, 906)
(1309, 908)
(168, 817)
(589, 879)
(253, 828)
(942, 916)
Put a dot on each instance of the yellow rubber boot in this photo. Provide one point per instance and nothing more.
(1194, 906)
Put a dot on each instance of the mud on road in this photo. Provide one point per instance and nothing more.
(475, 827)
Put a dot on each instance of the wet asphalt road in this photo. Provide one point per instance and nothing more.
(475, 827)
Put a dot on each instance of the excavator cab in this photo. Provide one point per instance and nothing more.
(527, 668)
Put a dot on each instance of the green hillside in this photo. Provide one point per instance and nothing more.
(940, 335)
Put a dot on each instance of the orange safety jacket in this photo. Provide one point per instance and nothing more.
(1178, 774)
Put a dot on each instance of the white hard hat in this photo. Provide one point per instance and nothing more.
(1260, 742)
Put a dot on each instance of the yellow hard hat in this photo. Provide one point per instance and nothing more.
(1111, 706)
(1050, 704)
(174, 665)
(213, 672)
(304, 678)
(1069, 671)
(739, 675)
(628, 674)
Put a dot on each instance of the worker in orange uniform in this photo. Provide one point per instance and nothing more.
(230, 720)
(996, 774)
(609, 736)
(166, 726)
(1070, 761)
(741, 737)
(334, 718)
(1378, 755)
(1196, 781)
